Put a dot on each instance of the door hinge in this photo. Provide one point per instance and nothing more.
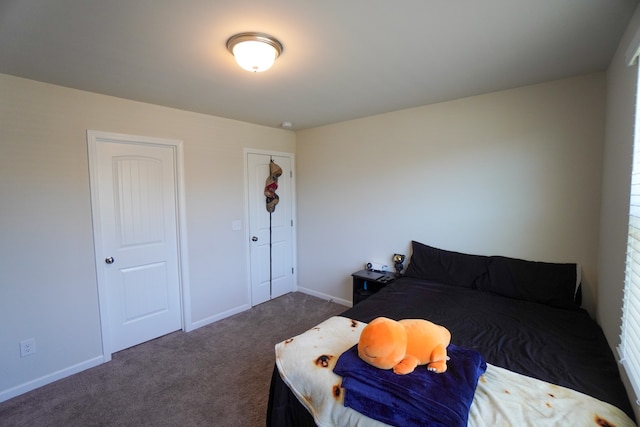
(290, 174)
(292, 223)
(291, 270)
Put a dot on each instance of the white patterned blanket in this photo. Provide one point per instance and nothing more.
(502, 398)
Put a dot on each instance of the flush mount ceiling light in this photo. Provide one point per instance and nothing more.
(254, 52)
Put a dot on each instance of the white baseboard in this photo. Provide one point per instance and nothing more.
(325, 296)
(220, 316)
(49, 378)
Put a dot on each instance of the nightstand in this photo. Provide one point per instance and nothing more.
(367, 283)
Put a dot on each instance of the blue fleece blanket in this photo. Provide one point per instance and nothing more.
(421, 398)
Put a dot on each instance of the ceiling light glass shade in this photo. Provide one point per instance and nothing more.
(254, 52)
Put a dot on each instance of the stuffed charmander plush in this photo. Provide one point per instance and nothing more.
(404, 344)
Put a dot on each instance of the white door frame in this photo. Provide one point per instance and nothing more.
(93, 137)
(294, 238)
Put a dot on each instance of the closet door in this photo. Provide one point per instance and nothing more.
(270, 234)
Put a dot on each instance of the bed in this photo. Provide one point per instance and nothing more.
(521, 316)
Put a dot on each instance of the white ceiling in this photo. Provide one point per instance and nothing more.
(342, 59)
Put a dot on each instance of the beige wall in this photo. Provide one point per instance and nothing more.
(48, 287)
(515, 173)
(617, 160)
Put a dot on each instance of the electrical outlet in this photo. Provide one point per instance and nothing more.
(27, 347)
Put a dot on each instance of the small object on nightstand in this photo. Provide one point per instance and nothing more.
(398, 261)
(367, 283)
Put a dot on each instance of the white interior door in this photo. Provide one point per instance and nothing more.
(271, 245)
(135, 222)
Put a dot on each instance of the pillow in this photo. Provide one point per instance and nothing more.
(451, 268)
(547, 283)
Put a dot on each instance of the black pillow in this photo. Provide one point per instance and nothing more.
(546, 283)
(451, 268)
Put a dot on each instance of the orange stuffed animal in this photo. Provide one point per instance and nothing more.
(404, 344)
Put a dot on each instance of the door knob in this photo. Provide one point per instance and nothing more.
(254, 238)
(109, 260)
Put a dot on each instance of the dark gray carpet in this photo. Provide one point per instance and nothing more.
(217, 375)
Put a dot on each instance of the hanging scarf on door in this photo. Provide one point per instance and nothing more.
(271, 186)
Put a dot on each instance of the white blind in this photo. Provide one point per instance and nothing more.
(630, 329)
